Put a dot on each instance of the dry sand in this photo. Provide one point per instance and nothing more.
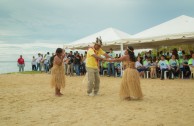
(28, 100)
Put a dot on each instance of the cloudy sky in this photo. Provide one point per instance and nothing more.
(29, 26)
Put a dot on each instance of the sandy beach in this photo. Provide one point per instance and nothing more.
(29, 100)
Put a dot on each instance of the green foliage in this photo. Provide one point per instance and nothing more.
(186, 48)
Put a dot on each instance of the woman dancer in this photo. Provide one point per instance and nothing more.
(57, 72)
(130, 86)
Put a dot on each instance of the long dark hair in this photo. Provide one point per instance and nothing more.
(131, 53)
(141, 59)
(58, 51)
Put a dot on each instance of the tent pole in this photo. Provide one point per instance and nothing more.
(121, 62)
(156, 51)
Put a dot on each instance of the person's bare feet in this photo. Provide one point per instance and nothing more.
(60, 94)
(128, 98)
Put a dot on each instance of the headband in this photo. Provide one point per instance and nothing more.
(129, 49)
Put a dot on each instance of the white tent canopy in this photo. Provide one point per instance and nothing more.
(180, 25)
(179, 30)
(110, 38)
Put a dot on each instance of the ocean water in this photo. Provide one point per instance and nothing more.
(10, 52)
(11, 66)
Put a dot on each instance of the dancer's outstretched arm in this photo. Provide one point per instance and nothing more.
(106, 55)
(97, 57)
(123, 58)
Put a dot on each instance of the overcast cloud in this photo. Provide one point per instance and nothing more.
(63, 21)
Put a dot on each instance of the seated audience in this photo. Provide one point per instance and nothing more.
(164, 66)
(174, 66)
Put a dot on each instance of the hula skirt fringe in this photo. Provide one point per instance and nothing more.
(58, 77)
(130, 85)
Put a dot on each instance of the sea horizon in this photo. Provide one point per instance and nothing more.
(11, 66)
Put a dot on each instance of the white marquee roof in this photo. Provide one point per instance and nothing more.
(180, 25)
(179, 30)
(109, 36)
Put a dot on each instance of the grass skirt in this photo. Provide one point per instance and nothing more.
(130, 85)
(58, 76)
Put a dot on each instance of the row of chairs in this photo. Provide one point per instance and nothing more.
(146, 74)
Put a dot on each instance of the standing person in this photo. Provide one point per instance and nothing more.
(92, 62)
(47, 61)
(77, 63)
(82, 65)
(65, 63)
(51, 60)
(57, 72)
(38, 60)
(42, 63)
(70, 63)
(130, 85)
(21, 64)
(104, 66)
(33, 64)
(111, 66)
(84, 62)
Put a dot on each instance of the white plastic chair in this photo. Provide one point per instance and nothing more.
(192, 72)
(147, 74)
(165, 74)
(182, 76)
(115, 74)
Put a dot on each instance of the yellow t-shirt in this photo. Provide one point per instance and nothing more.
(92, 62)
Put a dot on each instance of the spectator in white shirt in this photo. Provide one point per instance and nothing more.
(111, 66)
(164, 66)
(33, 64)
(38, 60)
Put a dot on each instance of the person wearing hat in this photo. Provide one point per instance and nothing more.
(92, 61)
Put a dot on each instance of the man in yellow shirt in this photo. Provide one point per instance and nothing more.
(93, 56)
